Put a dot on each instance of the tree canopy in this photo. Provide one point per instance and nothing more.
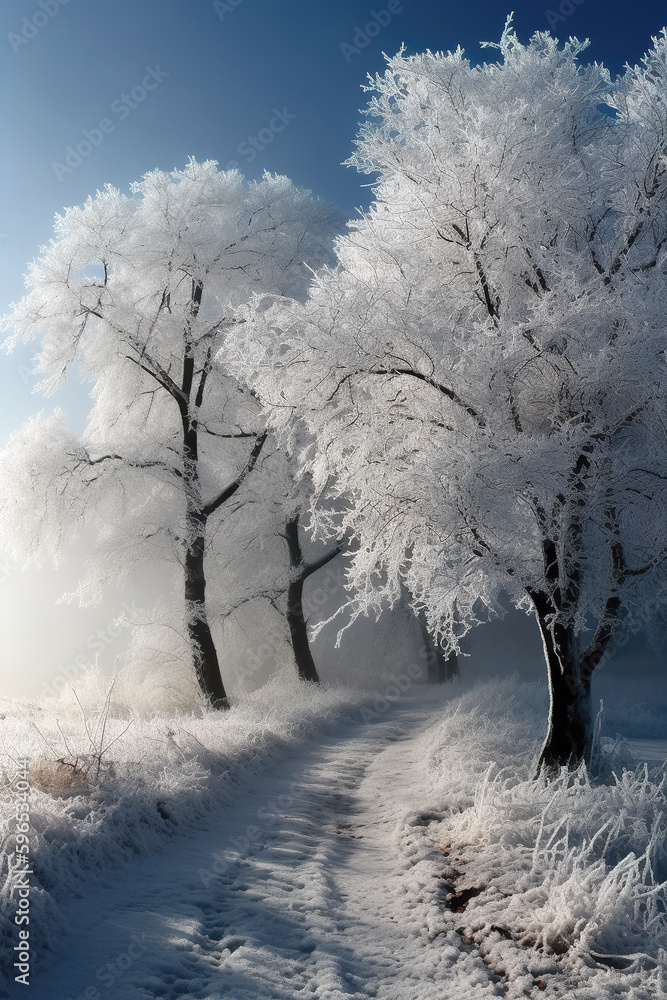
(482, 376)
(138, 290)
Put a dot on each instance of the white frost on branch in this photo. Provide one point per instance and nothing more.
(139, 290)
(482, 377)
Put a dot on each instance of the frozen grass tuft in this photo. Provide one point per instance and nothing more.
(563, 878)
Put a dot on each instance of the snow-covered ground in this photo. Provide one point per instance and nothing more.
(337, 861)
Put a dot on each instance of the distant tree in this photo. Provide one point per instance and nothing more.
(483, 375)
(440, 666)
(137, 291)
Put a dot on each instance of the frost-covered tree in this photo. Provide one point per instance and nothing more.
(483, 375)
(270, 531)
(137, 291)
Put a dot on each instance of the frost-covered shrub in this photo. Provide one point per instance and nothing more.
(568, 876)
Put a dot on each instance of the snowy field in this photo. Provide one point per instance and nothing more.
(91, 810)
(314, 843)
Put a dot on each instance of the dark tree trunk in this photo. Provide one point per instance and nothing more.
(440, 668)
(299, 633)
(570, 733)
(204, 655)
(295, 617)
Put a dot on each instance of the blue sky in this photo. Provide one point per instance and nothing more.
(224, 69)
(217, 80)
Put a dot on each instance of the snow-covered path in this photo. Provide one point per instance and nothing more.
(307, 885)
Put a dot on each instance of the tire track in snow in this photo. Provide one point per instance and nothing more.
(332, 897)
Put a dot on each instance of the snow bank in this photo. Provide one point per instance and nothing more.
(559, 883)
(107, 784)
